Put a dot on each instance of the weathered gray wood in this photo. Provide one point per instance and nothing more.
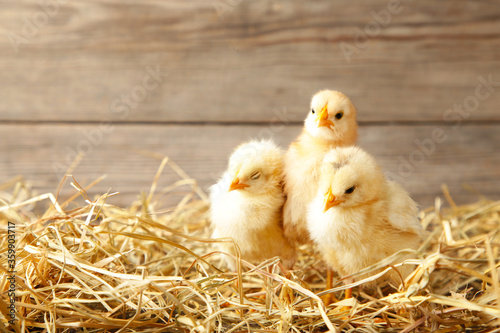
(259, 61)
(468, 155)
(256, 59)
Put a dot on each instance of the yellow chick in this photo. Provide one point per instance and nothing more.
(247, 202)
(330, 123)
(358, 217)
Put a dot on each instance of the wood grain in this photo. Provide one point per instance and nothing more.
(257, 59)
(468, 155)
(180, 78)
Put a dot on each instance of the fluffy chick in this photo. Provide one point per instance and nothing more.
(247, 202)
(358, 217)
(331, 123)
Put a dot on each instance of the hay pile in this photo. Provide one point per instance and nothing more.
(86, 265)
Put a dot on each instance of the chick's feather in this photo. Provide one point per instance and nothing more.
(252, 215)
(330, 123)
(355, 229)
(403, 211)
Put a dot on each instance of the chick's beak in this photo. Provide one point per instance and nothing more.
(330, 200)
(236, 185)
(322, 118)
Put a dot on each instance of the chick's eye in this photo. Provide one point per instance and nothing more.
(339, 115)
(255, 175)
(313, 112)
(350, 190)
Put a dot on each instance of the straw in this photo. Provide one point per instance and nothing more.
(146, 268)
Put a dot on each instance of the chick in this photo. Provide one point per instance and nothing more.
(358, 217)
(247, 202)
(330, 123)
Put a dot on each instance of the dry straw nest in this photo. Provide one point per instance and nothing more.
(84, 265)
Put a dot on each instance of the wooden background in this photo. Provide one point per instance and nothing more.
(231, 70)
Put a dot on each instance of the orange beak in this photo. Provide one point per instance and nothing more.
(322, 118)
(236, 185)
(330, 201)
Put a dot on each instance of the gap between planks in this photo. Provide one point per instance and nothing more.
(239, 123)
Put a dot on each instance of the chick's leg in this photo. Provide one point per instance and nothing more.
(348, 293)
(329, 298)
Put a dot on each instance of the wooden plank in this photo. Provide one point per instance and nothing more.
(257, 60)
(468, 155)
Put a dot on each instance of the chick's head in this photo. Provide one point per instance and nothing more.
(349, 178)
(256, 168)
(332, 116)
